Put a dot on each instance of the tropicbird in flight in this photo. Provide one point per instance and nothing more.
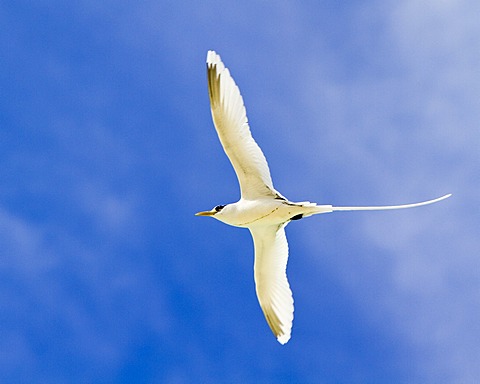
(261, 208)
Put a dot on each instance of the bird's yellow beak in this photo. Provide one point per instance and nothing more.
(206, 213)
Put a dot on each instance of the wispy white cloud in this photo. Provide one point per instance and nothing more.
(92, 292)
(415, 132)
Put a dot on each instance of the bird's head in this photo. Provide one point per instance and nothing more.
(213, 212)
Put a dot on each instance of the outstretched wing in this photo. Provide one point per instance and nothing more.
(273, 290)
(230, 119)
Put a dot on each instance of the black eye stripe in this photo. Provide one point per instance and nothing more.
(218, 208)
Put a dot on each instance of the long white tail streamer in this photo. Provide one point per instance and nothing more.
(385, 207)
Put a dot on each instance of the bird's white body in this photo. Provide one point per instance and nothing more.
(261, 209)
(266, 212)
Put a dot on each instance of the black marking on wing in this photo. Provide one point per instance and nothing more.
(297, 217)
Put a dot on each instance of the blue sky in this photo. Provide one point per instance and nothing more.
(108, 149)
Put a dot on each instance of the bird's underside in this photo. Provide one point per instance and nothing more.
(261, 209)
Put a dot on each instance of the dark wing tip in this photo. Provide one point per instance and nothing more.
(214, 69)
(275, 324)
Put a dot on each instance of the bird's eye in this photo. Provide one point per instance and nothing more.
(218, 208)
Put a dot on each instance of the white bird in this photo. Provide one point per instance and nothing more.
(261, 209)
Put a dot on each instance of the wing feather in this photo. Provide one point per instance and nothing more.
(230, 119)
(273, 290)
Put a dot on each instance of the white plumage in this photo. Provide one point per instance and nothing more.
(261, 209)
(230, 119)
